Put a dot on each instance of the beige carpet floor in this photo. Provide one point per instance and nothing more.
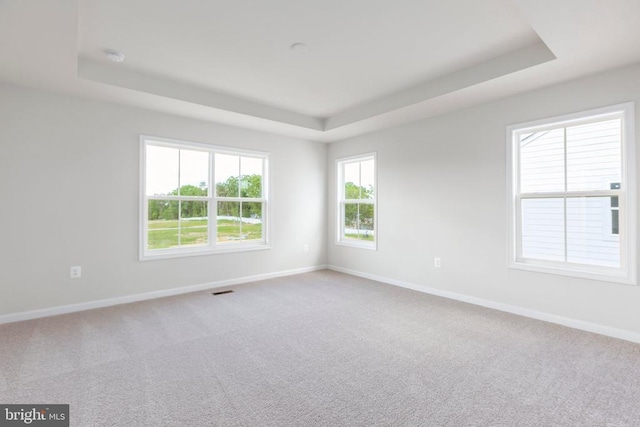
(318, 349)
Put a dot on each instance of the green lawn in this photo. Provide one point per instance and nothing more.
(174, 223)
(361, 237)
(164, 234)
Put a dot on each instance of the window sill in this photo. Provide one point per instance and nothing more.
(603, 274)
(220, 249)
(360, 245)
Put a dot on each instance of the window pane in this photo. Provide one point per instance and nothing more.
(194, 223)
(162, 224)
(251, 173)
(227, 171)
(161, 170)
(352, 180)
(194, 173)
(589, 240)
(594, 158)
(543, 229)
(251, 221)
(228, 220)
(366, 222)
(350, 221)
(251, 179)
(251, 165)
(615, 222)
(542, 161)
(359, 221)
(367, 179)
(359, 180)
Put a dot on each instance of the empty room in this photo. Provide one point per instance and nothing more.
(319, 213)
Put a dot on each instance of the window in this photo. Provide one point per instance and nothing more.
(572, 195)
(182, 213)
(357, 201)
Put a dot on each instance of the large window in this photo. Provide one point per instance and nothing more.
(200, 199)
(572, 195)
(357, 201)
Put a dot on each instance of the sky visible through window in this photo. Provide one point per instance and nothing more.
(168, 168)
(360, 173)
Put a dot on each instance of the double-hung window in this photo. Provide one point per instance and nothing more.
(198, 199)
(357, 201)
(572, 195)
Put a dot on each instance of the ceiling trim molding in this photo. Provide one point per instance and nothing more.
(494, 68)
(122, 77)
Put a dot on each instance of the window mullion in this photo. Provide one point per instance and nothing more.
(180, 199)
(360, 180)
(242, 199)
(517, 208)
(566, 189)
(340, 219)
(571, 194)
(566, 241)
(358, 220)
(364, 201)
(212, 205)
(184, 198)
(179, 222)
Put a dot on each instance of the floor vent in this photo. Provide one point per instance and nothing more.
(222, 292)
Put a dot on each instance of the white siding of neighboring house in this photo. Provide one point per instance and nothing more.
(593, 163)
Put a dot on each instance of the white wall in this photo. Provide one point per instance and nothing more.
(441, 192)
(69, 185)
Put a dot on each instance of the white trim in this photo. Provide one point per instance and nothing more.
(627, 205)
(180, 143)
(73, 308)
(572, 119)
(224, 248)
(595, 328)
(360, 244)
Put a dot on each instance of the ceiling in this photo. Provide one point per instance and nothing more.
(368, 64)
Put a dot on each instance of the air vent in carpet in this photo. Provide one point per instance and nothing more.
(222, 292)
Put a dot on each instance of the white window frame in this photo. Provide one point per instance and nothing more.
(341, 201)
(626, 274)
(607, 214)
(212, 247)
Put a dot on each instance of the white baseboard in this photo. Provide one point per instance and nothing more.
(539, 315)
(72, 308)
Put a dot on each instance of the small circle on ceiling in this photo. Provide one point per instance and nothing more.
(299, 47)
(114, 55)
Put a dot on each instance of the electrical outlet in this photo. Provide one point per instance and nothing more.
(305, 248)
(437, 262)
(75, 272)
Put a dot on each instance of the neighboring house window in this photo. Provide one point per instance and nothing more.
(564, 170)
(198, 199)
(357, 201)
(614, 206)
